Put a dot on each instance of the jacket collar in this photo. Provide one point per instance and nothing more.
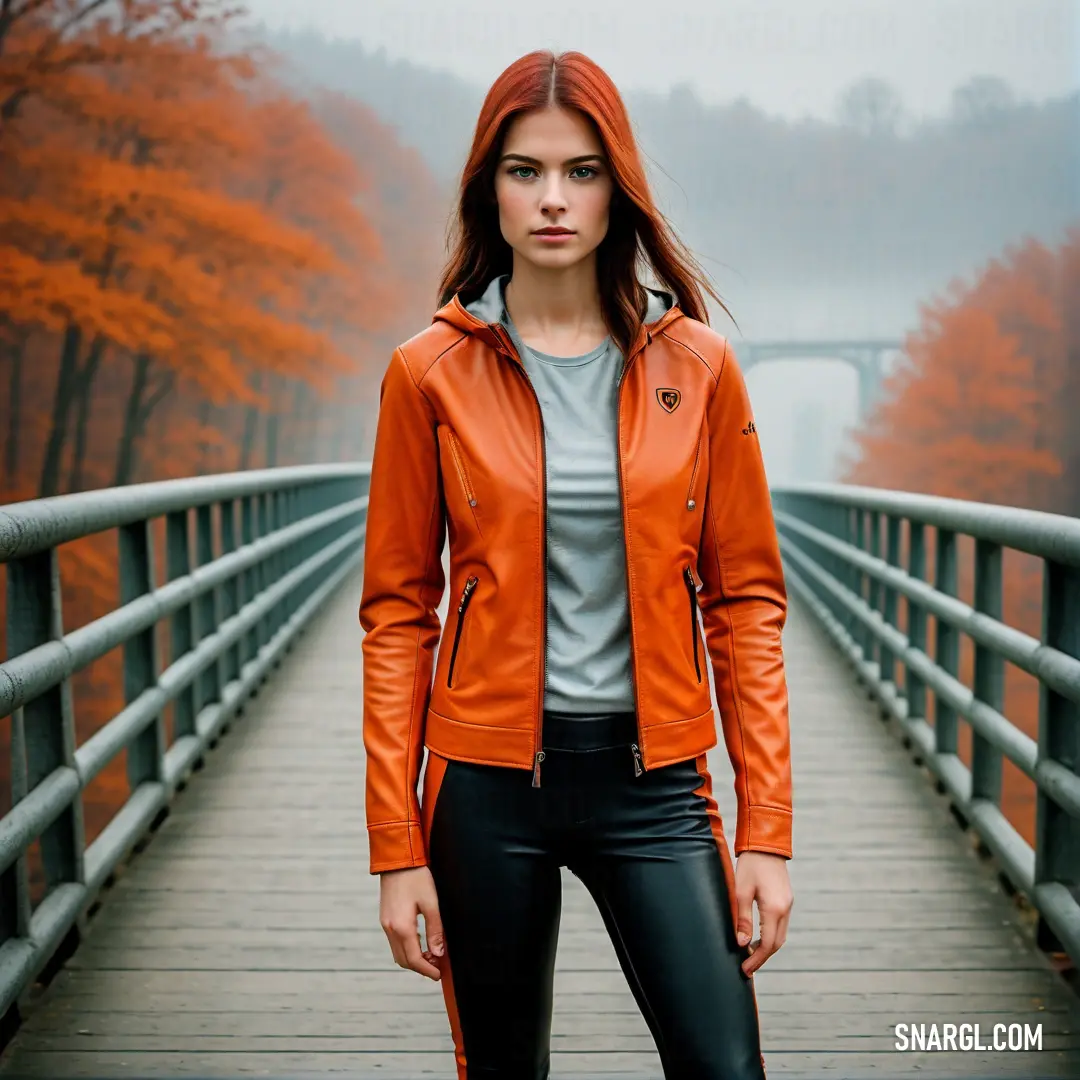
(482, 317)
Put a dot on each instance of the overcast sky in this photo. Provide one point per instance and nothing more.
(791, 57)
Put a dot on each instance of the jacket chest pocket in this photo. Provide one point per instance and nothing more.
(456, 471)
(695, 472)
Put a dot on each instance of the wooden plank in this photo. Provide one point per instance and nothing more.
(614, 1065)
(370, 985)
(298, 958)
(588, 1039)
(424, 1000)
(367, 939)
(802, 1029)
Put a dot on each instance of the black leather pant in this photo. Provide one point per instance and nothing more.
(644, 848)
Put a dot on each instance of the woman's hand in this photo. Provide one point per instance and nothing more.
(403, 895)
(762, 876)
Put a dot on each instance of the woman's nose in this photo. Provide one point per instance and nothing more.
(553, 198)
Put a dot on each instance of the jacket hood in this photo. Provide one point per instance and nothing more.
(481, 316)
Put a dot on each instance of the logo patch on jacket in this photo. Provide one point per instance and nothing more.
(668, 398)
(750, 428)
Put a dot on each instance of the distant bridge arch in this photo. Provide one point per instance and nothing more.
(866, 356)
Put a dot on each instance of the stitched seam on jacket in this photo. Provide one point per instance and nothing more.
(732, 654)
(453, 344)
(693, 352)
(471, 724)
(678, 720)
(737, 694)
(423, 587)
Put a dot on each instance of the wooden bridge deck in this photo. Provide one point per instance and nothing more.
(244, 940)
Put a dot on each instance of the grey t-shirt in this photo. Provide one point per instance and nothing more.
(588, 620)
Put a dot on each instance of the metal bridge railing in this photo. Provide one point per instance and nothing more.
(843, 547)
(269, 547)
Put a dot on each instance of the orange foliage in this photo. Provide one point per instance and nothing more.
(974, 409)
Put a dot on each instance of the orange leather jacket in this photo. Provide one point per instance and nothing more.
(459, 449)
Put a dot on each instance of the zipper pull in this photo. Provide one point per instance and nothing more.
(637, 759)
(469, 586)
(540, 755)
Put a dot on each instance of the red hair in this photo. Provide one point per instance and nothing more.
(637, 235)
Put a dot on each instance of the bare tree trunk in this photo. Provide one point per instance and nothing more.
(15, 353)
(141, 403)
(204, 423)
(251, 426)
(49, 483)
(272, 425)
(83, 386)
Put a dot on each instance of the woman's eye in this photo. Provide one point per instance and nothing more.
(585, 168)
(517, 170)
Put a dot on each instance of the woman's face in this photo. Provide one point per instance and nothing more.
(553, 175)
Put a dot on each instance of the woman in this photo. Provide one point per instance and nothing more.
(587, 445)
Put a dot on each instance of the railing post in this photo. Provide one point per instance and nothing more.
(889, 606)
(291, 499)
(947, 641)
(230, 593)
(284, 558)
(914, 686)
(989, 680)
(181, 623)
(249, 533)
(207, 606)
(858, 582)
(34, 618)
(272, 564)
(15, 906)
(1057, 833)
(848, 574)
(874, 592)
(146, 752)
(265, 565)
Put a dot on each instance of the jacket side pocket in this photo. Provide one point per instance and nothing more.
(691, 590)
(463, 607)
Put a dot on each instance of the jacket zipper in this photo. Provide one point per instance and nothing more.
(463, 605)
(691, 502)
(458, 460)
(538, 751)
(538, 757)
(692, 591)
(639, 764)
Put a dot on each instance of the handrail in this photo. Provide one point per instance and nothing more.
(270, 546)
(843, 552)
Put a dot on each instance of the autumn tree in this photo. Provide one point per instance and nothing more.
(974, 410)
(201, 233)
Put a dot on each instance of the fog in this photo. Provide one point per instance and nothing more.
(834, 165)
